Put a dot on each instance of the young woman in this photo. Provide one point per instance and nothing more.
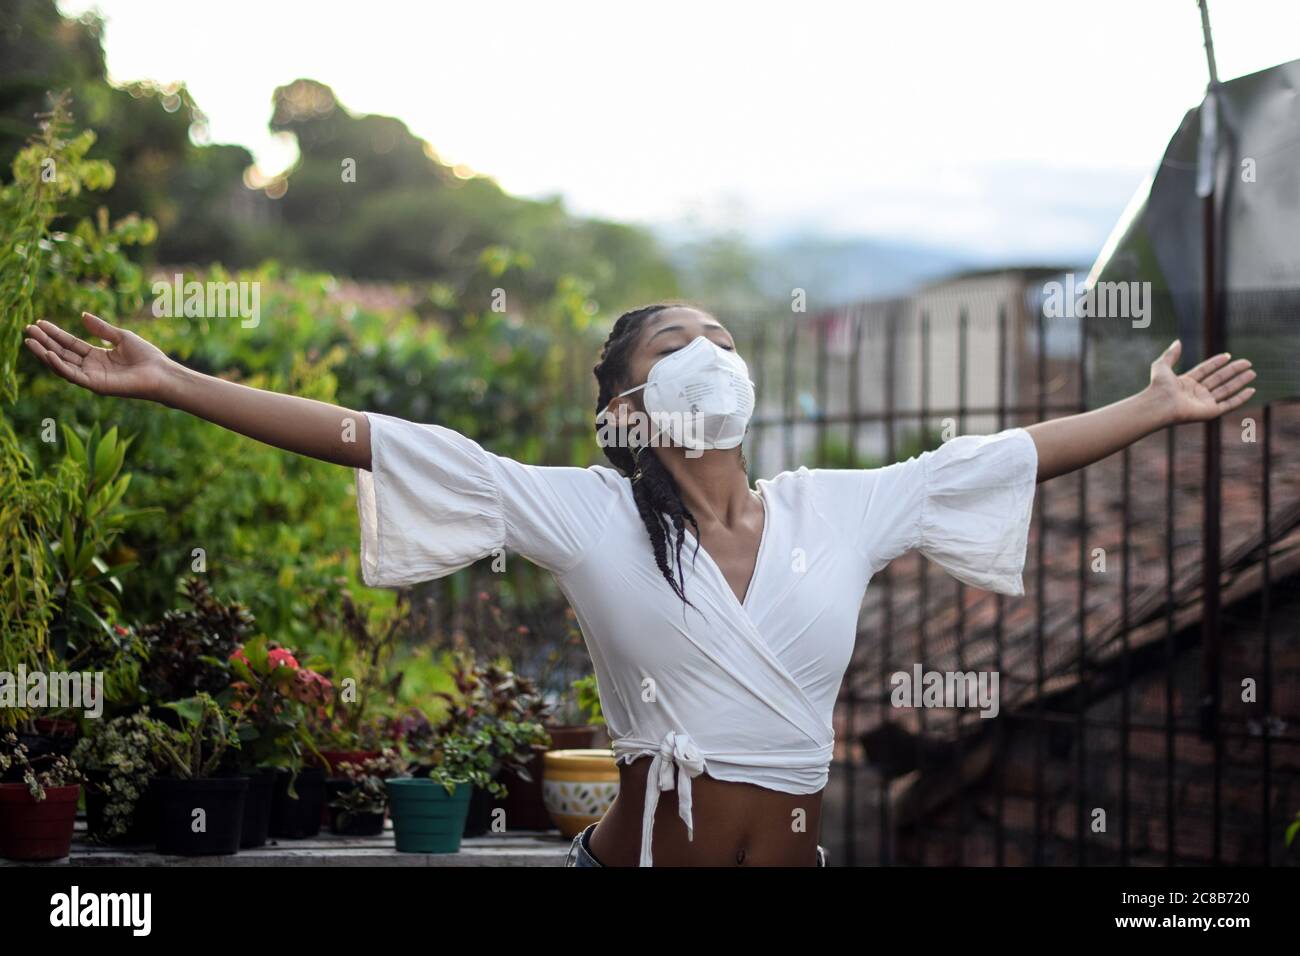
(720, 618)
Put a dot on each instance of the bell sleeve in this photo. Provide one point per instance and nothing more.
(435, 501)
(965, 505)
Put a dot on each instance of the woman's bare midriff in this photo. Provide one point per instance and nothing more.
(736, 824)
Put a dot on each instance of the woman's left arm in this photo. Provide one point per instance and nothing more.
(1209, 390)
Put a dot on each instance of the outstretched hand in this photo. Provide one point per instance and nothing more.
(132, 368)
(1213, 388)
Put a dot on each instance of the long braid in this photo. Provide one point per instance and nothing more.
(658, 499)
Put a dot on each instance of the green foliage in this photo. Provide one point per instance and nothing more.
(496, 713)
(408, 215)
(49, 272)
(60, 588)
(197, 748)
(588, 695)
(87, 589)
(84, 563)
(29, 509)
(359, 651)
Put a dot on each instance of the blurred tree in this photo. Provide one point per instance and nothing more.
(369, 198)
(407, 215)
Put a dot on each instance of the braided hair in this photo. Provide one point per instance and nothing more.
(658, 499)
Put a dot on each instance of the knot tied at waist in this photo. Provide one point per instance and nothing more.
(676, 751)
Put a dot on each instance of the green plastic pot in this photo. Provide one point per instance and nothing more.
(426, 818)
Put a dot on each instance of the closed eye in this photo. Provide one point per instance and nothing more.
(670, 351)
(729, 348)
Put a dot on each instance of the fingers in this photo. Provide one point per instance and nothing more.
(41, 334)
(1233, 385)
(72, 373)
(97, 326)
(1241, 398)
(1211, 364)
(1225, 373)
(1170, 355)
(65, 339)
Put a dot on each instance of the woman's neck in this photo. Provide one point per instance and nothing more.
(713, 484)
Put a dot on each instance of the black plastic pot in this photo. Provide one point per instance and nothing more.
(257, 808)
(350, 824)
(297, 819)
(479, 819)
(143, 828)
(222, 802)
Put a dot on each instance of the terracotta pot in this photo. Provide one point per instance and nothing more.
(55, 726)
(574, 736)
(37, 831)
(579, 786)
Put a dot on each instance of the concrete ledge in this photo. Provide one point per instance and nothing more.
(521, 848)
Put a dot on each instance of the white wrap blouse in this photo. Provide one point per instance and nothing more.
(741, 689)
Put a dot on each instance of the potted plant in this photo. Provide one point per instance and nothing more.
(504, 712)
(37, 815)
(354, 732)
(579, 786)
(276, 698)
(119, 760)
(358, 800)
(579, 779)
(187, 650)
(575, 725)
(580, 724)
(429, 809)
(200, 812)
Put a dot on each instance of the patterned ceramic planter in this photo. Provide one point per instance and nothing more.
(578, 786)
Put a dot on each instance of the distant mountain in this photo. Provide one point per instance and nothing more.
(830, 270)
(845, 270)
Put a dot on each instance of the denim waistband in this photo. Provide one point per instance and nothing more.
(580, 854)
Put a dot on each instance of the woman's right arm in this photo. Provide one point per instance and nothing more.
(133, 368)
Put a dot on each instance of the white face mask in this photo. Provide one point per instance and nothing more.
(700, 395)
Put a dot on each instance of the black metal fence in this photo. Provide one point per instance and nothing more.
(1143, 717)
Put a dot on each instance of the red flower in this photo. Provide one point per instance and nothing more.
(281, 658)
(310, 686)
(121, 631)
(238, 655)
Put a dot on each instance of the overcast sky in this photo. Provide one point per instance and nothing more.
(999, 128)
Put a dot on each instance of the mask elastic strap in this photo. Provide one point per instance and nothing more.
(636, 455)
